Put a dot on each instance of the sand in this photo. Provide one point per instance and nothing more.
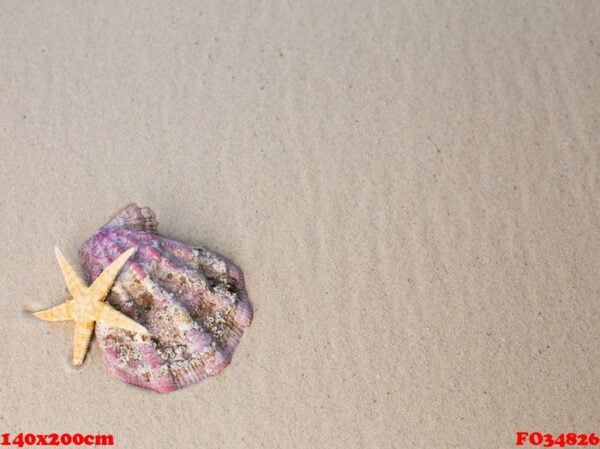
(412, 189)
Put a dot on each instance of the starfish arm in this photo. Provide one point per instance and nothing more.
(62, 312)
(74, 282)
(112, 317)
(81, 340)
(103, 283)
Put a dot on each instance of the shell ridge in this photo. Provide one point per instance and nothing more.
(133, 217)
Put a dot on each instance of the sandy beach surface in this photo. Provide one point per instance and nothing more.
(412, 189)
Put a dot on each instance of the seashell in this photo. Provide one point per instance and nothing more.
(192, 302)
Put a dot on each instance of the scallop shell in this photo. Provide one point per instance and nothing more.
(192, 302)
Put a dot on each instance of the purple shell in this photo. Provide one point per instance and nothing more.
(191, 301)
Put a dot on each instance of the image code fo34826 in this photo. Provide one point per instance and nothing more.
(571, 439)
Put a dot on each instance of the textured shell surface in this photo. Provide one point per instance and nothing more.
(192, 302)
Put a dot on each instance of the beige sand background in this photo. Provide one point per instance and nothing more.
(411, 187)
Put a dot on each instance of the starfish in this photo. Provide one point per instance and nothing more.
(88, 306)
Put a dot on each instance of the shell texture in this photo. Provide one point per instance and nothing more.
(192, 302)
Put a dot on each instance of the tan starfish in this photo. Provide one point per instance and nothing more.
(88, 306)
